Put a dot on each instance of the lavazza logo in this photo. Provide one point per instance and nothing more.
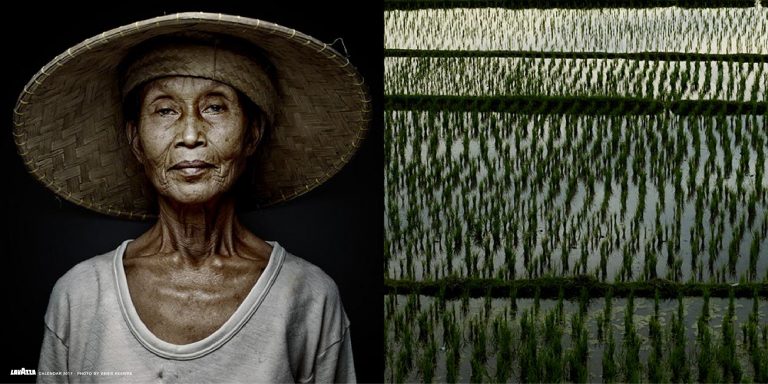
(23, 371)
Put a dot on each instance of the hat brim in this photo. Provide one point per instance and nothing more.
(68, 119)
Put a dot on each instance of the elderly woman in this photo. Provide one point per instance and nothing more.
(187, 118)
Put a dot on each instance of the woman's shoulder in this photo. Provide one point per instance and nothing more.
(83, 286)
(311, 293)
(307, 275)
(305, 283)
(84, 280)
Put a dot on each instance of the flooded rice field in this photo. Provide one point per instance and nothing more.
(585, 152)
(620, 197)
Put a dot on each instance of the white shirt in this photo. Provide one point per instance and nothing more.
(290, 328)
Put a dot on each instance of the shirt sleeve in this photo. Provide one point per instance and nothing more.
(335, 364)
(53, 358)
(54, 353)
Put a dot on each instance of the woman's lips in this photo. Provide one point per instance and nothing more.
(192, 168)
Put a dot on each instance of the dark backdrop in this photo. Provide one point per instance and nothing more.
(338, 226)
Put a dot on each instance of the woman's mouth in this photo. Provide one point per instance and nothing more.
(192, 167)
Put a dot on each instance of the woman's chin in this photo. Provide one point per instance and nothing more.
(192, 194)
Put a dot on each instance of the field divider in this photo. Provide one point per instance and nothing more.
(576, 105)
(645, 56)
(550, 287)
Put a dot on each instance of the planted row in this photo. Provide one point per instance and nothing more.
(578, 4)
(495, 76)
(581, 340)
(723, 31)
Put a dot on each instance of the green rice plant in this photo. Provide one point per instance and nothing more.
(754, 253)
(528, 353)
(453, 358)
(478, 359)
(552, 353)
(706, 356)
(425, 327)
(656, 370)
(765, 336)
(678, 359)
(733, 248)
(577, 357)
(726, 354)
(428, 361)
(610, 370)
(503, 340)
(632, 366)
(758, 354)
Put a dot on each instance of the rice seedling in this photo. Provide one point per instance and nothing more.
(528, 353)
(428, 361)
(726, 355)
(656, 370)
(577, 356)
(503, 339)
(478, 339)
(552, 349)
(758, 353)
(453, 351)
(610, 370)
(706, 363)
(632, 366)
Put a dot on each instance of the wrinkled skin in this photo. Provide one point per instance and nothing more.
(189, 273)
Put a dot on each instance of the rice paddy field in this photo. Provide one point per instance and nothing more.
(577, 193)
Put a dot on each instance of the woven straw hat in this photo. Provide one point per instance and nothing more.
(68, 120)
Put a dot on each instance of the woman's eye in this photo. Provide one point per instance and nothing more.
(165, 111)
(214, 108)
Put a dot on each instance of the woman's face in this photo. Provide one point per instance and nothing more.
(191, 137)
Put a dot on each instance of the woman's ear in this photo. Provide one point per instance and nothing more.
(255, 134)
(132, 133)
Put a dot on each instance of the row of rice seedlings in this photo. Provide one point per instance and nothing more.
(503, 202)
(632, 364)
(706, 359)
(502, 336)
(758, 351)
(678, 359)
(656, 371)
(478, 338)
(724, 30)
(726, 354)
(487, 76)
(569, 4)
(552, 345)
(577, 356)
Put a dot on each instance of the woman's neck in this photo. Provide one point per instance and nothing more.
(197, 232)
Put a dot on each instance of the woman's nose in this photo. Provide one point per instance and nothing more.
(192, 134)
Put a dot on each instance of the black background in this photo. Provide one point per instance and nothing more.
(338, 226)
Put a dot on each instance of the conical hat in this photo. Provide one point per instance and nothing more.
(68, 119)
